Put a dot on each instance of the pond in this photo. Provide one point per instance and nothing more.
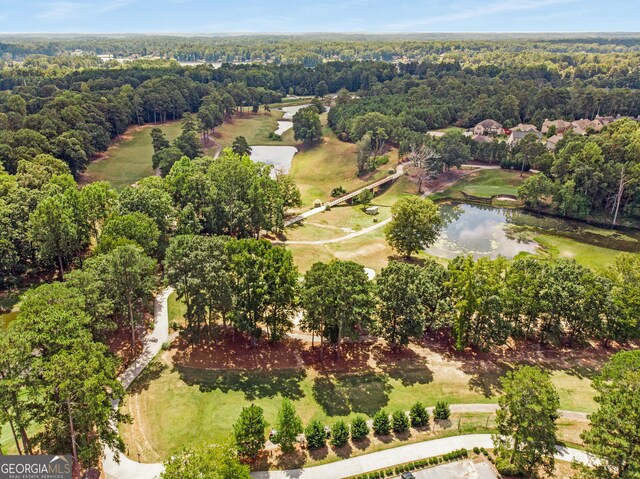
(278, 156)
(283, 126)
(289, 111)
(479, 231)
(487, 231)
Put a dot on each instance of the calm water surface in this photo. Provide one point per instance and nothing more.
(278, 156)
(479, 231)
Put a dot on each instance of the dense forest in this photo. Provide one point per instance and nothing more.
(313, 49)
(54, 120)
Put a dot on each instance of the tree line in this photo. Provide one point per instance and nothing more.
(476, 303)
(589, 176)
(47, 223)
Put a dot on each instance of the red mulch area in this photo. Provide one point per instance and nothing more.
(238, 353)
(487, 367)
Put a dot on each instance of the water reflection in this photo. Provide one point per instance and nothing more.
(479, 231)
(278, 156)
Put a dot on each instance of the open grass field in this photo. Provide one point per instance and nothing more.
(128, 159)
(484, 184)
(255, 127)
(194, 394)
(370, 249)
(592, 256)
(332, 163)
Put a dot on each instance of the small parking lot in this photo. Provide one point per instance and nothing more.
(458, 470)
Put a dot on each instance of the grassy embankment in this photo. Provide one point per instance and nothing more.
(128, 159)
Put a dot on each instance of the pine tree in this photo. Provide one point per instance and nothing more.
(419, 415)
(381, 423)
(288, 426)
(359, 428)
(399, 422)
(315, 434)
(339, 434)
(249, 432)
(442, 411)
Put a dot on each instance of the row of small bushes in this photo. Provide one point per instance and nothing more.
(414, 466)
(399, 422)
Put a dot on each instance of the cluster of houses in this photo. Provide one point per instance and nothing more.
(487, 130)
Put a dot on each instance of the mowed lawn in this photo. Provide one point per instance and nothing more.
(592, 256)
(175, 405)
(370, 249)
(485, 184)
(255, 127)
(320, 168)
(128, 159)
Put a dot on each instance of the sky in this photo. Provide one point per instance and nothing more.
(303, 16)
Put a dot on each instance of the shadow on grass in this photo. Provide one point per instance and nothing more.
(341, 394)
(151, 373)
(254, 384)
(403, 365)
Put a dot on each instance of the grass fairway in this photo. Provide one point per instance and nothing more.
(320, 168)
(370, 249)
(177, 403)
(255, 127)
(128, 159)
(484, 184)
(595, 257)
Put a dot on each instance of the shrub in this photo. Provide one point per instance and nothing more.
(378, 161)
(381, 423)
(442, 410)
(339, 434)
(316, 435)
(359, 428)
(476, 450)
(399, 422)
(364, 198)
(419, 415)
(506, 468)
(339, 191)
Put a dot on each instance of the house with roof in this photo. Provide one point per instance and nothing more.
(560, 125)
(581, 127)
(517, 136)
(552, 142)
(525, 127)
(487, 127)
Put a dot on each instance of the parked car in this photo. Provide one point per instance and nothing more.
(407, 475)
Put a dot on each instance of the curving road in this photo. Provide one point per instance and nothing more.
(114, 464)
